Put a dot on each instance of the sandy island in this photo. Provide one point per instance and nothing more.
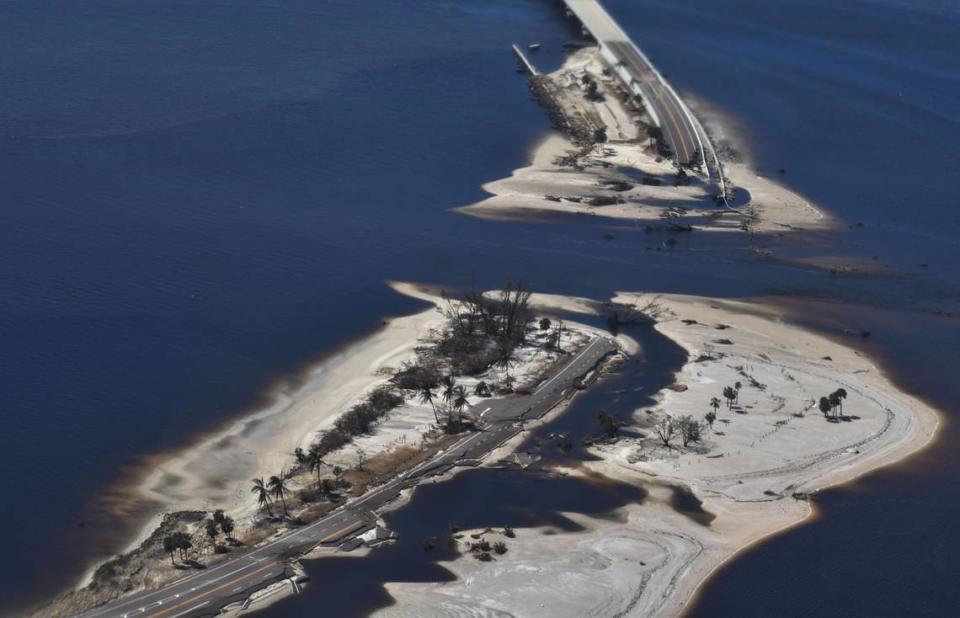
(215, 473)
(568, 178)
(762, 451)
(750, 472)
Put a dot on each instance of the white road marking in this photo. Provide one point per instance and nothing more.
(484, 412)
(321, 524)
(195, 607)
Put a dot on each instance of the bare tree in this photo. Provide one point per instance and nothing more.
(666, 430)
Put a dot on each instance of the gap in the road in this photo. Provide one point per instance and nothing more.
(495, 498)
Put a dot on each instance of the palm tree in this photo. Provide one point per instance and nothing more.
(834, 400)
(841, 394)
(315, 461)
(170, 546)
(715, 404)
(460, 401)
(181, 540)
(426, 396)
(278, 486)
(729, 394)
(449, 384)
(213, 531)
(227, 525)
(263, 494)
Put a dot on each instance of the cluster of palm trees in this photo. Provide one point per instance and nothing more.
(276, 487)
(220, 522)
(832, 404)
(730, 393)
(454, 397)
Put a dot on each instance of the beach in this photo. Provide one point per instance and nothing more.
(749, 479)
(624, 180)
(744, 484)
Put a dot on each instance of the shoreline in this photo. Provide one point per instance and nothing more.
(182, 477)
(624, 180)
(295, 420)
(928, 424)
(677, 571)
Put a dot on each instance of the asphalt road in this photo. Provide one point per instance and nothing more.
(678, 129)
(205, 592)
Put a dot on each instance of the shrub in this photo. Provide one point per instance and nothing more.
(690, 429)
(416, 376)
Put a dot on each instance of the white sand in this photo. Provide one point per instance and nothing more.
(215, 473)
(652, 564)
(524, 194)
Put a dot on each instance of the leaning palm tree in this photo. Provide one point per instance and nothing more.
(263, 494)
(426, 396)
(278, 486)
(315, 461)
(460, 401)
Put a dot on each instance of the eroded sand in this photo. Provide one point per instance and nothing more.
(744, 473)
(545, 187)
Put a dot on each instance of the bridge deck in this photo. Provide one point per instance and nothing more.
(679, 128)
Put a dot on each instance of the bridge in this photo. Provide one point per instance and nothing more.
(681, 130)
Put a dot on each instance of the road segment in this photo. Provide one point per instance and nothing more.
(206, 592)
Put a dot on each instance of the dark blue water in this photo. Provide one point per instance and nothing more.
(857, 100)
(493, 498)
(198, 199)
